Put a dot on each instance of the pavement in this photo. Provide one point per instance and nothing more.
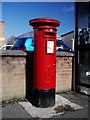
(25, 110)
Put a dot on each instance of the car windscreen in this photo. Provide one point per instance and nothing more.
(61, 46)
(20, 42)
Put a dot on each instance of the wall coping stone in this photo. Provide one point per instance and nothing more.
(22, 53)
(64, 54)
(7, 53)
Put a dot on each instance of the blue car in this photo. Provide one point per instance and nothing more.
(25, 44)
(61, 46)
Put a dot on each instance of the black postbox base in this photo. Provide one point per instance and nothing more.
(44, 98)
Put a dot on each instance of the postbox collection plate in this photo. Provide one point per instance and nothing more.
(50, 47)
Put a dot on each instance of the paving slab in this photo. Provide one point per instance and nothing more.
(49, 112)
(14, 110)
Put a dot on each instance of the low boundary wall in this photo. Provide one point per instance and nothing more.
(13, 74)
(16, 73)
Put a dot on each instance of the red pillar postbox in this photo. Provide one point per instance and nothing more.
(44, 61)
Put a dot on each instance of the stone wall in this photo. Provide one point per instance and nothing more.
(13, 70)
(64, 71)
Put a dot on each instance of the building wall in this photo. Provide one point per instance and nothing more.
(2, 37)
(68, 39)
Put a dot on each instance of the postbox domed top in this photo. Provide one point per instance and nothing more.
(44, 21)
